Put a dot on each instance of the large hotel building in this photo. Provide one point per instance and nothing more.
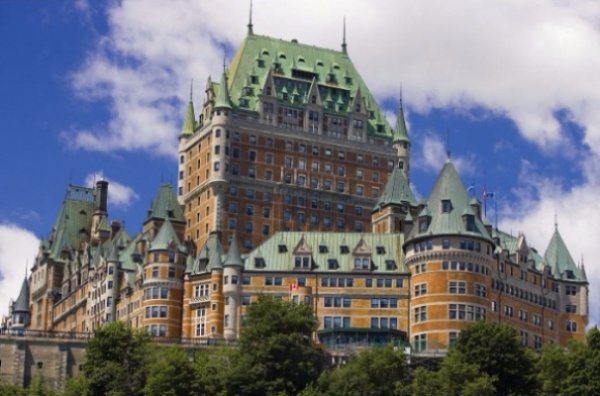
(292, 183)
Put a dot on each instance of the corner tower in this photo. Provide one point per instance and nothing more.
(449, 255)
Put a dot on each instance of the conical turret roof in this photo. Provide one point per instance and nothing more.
(400, 132)
(234, 257)
(165, 237)
(189, 123)
(559, 259)
(448, 204)
(22, 302)
(397, 190)
(223, 100)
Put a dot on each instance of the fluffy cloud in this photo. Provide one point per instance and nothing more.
(525, 60)
(434, 153)
(18, 248)
(119, 195)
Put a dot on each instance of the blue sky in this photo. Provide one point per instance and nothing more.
(98, 89)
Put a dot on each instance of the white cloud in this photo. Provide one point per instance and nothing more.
(119, 195)
(18, 248)
(525, 60)
(434, 154)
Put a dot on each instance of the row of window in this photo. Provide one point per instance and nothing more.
(156, 293)
(156, 311)
(465, 266)
(523, 294)
(384, 323)
(455, 312)
(447, 244)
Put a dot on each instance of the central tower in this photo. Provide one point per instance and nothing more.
(290, 138)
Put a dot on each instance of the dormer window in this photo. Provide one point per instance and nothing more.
(302, 262)
(380, 249)
(446, 206)
(570, 274)
(362, 263)
(281, 248)
(259, 262)
(323, 249)
(390, 265)
(332, 264)
(469, 222)
(344, 249)
(423, 224)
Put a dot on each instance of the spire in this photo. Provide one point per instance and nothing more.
(397, 190)
(344, 45)
(250, 30)
(401, 133)
(189, 123)
(559, 258)
(223, 100)
(22, 302)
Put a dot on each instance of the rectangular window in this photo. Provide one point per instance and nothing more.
(457, 287)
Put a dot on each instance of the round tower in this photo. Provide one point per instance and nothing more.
(232, 279)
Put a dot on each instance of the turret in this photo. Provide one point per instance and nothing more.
(20, 308)
(232, 279)
(401, 141)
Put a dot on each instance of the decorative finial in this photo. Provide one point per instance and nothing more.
(555, 221)
(191, 90)
(344, 45)
(250, 30)
(400, 95)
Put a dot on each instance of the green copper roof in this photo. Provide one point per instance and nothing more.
(210, 256)
(449, 187)
(22, 302)
(189, 124)
(397, 190)
(294, 66)
(223, 100)
(103, 225)
(165, 205)
(279, 250)
(401, 133)
(560, 261)
(233, 254)
(73, 223)
(126, 256)
(165, 237)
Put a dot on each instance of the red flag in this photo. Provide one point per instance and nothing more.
(293, 286)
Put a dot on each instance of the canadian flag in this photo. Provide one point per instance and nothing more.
(293, 286)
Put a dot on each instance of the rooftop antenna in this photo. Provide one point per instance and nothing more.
(250, 26)
(344, 45)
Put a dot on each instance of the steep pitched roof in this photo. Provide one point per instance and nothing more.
(165, 237)
(449, 187)
(234, 257)
(400, 132)
(223, 99)
(328, 246)
(560, 261)
(165, 205)
(397, 190)
(22, 302)
(189, 123)
(295, 66)
(73, 222)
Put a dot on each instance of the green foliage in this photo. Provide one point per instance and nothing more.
(38, 387)
(495, 350)
(11, 390)
(373, 372)
(583, 366)
(116, 361)
(170, 373)
(552, 370)
(76, 386)
(277, 354)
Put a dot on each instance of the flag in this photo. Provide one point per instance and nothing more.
(293, 286)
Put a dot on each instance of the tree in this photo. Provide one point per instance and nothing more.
(496, 351)
(584, 366)
(552, 370)
(277, 355)
(12, 390)
(116, 360)
(373, 372)
(170, 373)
